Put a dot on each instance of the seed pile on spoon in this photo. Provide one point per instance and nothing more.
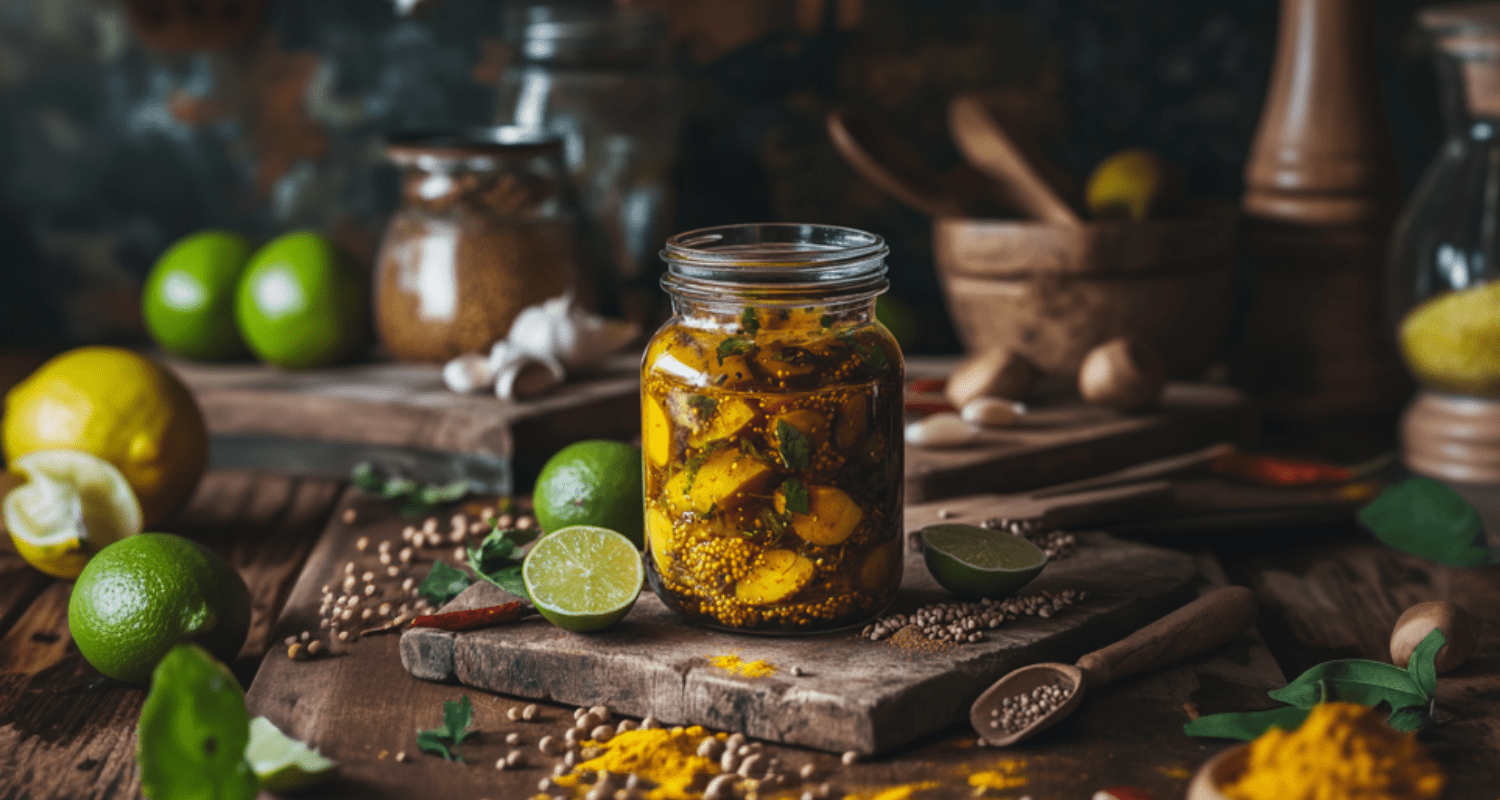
(1018, 711)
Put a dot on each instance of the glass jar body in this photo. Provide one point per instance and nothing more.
(479, 236)
(1443, 298)
(773, 449)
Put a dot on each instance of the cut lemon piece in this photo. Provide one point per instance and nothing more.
(583, 578)
(72, 505)
(282, 763)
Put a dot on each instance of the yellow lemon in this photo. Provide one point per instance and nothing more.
(71, 506)
(1134, 183)
(1452, 341)
(121, 407)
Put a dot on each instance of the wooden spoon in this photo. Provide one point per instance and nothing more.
(894, 166)
(1199, 626)
(987, 146)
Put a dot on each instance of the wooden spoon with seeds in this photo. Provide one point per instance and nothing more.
(1199, 626)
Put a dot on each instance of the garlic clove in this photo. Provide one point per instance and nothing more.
(993, 412)
(469, 373)
(941, 430)
(500, 355)
(527, 375)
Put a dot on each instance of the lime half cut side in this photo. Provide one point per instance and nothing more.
(975, 563)
(282, 763)
(72, 505)
(584, 578)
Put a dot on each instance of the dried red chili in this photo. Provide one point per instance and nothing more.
(472, 618)
(1279, 471)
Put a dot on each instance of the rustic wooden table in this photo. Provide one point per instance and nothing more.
(65, 732)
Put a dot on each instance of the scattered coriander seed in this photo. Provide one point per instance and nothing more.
(486, 514)
(807, 770)
(587, 721)
(306, 635)
(751, 766)
(744, 750)
(315, 647)
(570, 759)
(579, 711)
(735, 741)
(602, 733)
(711, 748)
(547, 745)
(362, 543)
(649, 723)
(561, 768)
(429, 525)
(290, 640)
(367, 576)
(946, 513)
(514, 758)
(458, 535)
(343, 636)
(432, 539)
(458, 521)
(512, 739)
(369, 589)
(385, 559)
(346, 615)
(625, 725)
(407, 533)
(385, 547)
(501, 765)
(476, 528)
(525, 523)
(571, 736)
(349, 568)
(513, 713)
(294, 651)
(720, 788)
(406, 585)
(849, 757)
(544, 784)
(459, 554)
(327, 590)
(385, 609)
(504, 521)
(400, 756)
(324, 623)
(602, 712)
(367, 613)
(350, 583)
(729, 762)
(392, 571)
(349, 516)
(797, 672)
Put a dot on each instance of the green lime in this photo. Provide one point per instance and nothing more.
(594, 482)
(188, 300)
(138, 597)
(282, 763)
(974, 562)
(301, 304)
(583, 578)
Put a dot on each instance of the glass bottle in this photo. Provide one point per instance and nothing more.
(599, 76)
(485, 229)
(772, 438)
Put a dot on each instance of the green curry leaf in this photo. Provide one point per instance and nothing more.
(1246, 725)
(793, 447)
(193, 731)
(749, 322)
(1422, 666)
(796, 496)
(1423, 517)
(1368, 683)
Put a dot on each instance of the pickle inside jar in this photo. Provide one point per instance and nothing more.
(771, 482)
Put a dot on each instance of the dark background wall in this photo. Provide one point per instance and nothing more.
(114, 142)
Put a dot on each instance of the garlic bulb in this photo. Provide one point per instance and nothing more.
(469, 373)
(527, 375)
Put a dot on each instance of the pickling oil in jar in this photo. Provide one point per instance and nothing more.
(772, 432)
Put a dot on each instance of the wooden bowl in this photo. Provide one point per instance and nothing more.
(1217, 771)
(1053, 292)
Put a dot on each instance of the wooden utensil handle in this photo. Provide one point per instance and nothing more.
(1197, 627)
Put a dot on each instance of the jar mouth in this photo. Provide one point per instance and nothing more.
(463, 147)
(776, 260)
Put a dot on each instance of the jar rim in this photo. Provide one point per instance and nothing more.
(772, 260)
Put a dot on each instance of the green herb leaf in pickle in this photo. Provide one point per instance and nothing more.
(703, 404)
(826, 321)
(793, 447)
(733, 346)
(749, 322)
(796, 496)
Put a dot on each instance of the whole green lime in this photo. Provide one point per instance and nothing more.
(188, 300)
(301, 303)
(142, 595)
(594, 482)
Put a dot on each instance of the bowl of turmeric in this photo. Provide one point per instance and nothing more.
(1340, 750)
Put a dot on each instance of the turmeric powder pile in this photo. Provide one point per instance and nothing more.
(734, 665)
(667, 758)
(1342, 750)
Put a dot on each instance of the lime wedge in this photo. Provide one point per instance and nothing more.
(282, 763)
(72, 505)
(974, 562)
(583, 578)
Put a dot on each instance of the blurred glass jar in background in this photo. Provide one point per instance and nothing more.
(486, 227)
(599, 75)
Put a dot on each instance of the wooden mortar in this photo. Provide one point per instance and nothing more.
(1053, 292)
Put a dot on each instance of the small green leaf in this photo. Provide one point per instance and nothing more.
(499, 557)
(1246, 725)
(193, 729)
(1422, 665)
(434, 742)
(826, 321)
(457, 716)
(1368, 683)
(1406, 720)
(443, 583)
(703, 404)
(396, 488)
(793, 447)
(1423, 517)
(749, 322)
(733, 346)
(441, 494)
(365, 476)
(796, 496)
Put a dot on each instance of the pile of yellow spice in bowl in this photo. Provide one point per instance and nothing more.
(1342, 750)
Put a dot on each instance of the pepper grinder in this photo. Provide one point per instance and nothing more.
(1321, 194)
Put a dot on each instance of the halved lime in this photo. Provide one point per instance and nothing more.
(282, 763)
(974, 562)
(72, 505)
(583, 578)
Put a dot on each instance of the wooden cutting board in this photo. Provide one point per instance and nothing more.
(854, 694)
(399, 414)
(1062, 439)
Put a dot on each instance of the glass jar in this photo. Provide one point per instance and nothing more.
(599, 75)
(485, 228)
(772, 437)
(1445, 254)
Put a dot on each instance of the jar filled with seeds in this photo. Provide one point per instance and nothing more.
(772, 436)
(486, 228)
